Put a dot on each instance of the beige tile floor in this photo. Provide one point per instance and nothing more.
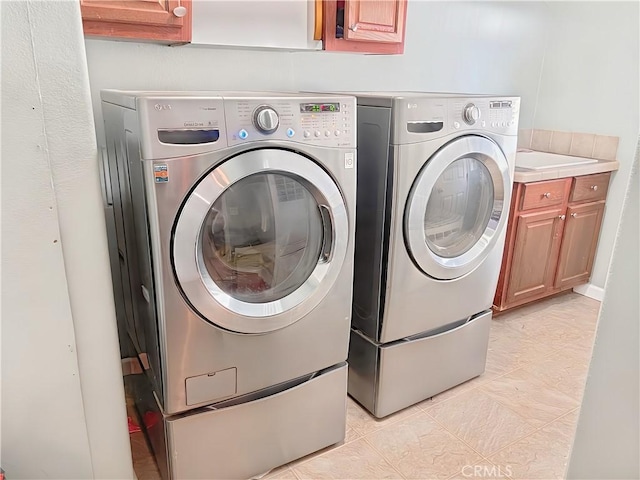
(516, 421)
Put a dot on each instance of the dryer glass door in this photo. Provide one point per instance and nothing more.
(457, 207)
(260, 240)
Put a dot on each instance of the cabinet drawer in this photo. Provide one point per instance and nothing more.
(543, 194)
(590, 188)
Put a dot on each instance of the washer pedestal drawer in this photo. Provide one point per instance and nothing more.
(389, 377)
(246, 437)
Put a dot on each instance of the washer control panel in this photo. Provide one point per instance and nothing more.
(326, 121)
(181, 124)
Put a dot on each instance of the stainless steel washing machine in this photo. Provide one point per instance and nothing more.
(235, 231)
(434, 190)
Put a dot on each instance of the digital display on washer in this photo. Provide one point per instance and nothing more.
(502, 104)
(319, 107)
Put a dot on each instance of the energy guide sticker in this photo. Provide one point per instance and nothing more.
(161, 173)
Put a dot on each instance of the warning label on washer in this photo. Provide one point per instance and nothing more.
(161, 173)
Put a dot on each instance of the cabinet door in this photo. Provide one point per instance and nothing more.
(579, 242)
(164, 20)
(374, 20)
(366, 26)
(534, 255)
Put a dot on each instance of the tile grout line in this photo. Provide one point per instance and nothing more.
(361, 437)
(384, 457)
(534, 432)
(510, 443)
(551, 387)
(294, 472)
(454, 436)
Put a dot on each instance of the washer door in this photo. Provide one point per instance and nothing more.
(260, 240)
(457, 207)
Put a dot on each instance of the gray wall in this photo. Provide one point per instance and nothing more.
(607, 443)
(63, 411)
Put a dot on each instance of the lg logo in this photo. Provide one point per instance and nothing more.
(412, 105)
(160, 106)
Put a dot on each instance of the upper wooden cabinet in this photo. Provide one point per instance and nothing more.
(167, 21)
(366, 26)
(552, 237)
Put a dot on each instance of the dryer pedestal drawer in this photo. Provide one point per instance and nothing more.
(388, 378)
(244, 440)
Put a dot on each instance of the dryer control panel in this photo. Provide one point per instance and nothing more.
(429, 116)
(325, 121)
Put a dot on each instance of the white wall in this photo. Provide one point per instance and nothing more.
(589, 84)
(607, 443)
(450, 46)
(145, 66)
(477, 47)
(63, 411)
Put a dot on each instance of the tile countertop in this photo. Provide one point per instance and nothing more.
(560, 166)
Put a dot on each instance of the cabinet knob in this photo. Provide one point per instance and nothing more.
(562, 217)
(353, 28)
(546, 195)
(180, 11)
(594, 188)
(574, 214)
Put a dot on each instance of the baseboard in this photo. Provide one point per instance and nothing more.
(591, 291)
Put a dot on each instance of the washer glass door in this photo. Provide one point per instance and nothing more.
(260, 240)
(456, 208)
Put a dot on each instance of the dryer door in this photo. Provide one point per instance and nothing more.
(457, 207)
(260, 240)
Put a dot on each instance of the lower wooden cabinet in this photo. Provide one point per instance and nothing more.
(579, 242)
(534, 255)
(551, 238)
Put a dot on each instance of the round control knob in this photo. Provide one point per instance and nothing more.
(470, 114)
(266, 119)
